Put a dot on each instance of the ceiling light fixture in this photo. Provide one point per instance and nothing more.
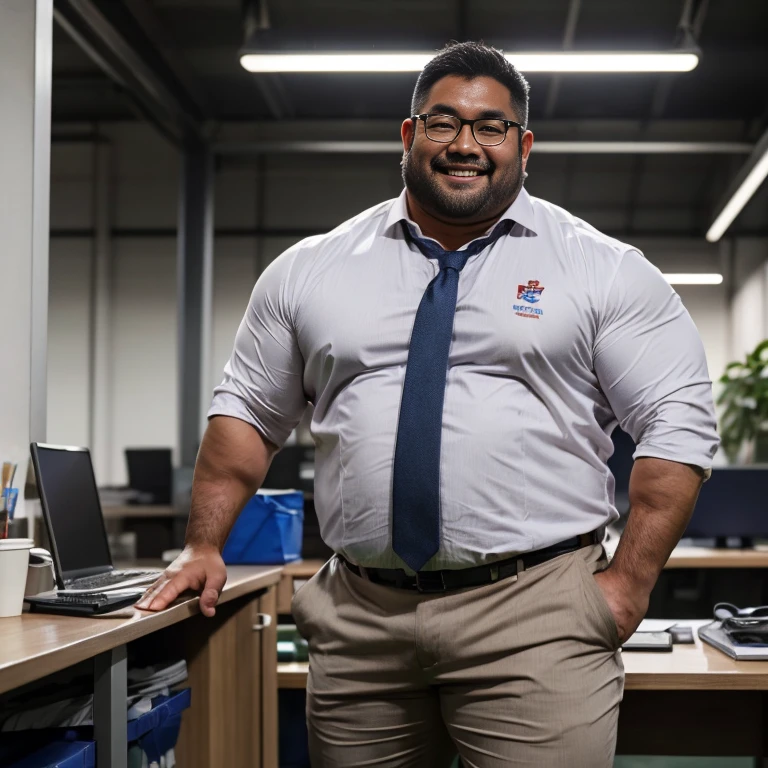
(740, 197)
(563, 62)
(698, 278)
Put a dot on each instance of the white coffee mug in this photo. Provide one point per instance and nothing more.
(14, 559)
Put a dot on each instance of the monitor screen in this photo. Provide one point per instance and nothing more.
(150, 471)
(732, 503)
(68, 491)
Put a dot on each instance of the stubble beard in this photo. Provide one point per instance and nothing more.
(496, 194)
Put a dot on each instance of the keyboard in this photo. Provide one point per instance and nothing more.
(109, 579)
(82, 605)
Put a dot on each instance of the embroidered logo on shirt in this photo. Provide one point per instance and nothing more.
(532, 294)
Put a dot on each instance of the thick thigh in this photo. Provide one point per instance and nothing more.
(539, 680)
(368, 699)
(401, 730)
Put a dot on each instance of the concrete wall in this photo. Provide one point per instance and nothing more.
(302, 192)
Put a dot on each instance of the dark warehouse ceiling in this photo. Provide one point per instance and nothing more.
(196, 44)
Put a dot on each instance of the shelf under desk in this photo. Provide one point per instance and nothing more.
(231, 660)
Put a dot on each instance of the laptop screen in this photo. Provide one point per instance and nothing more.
(68, 491)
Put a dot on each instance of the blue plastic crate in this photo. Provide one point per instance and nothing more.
(59, 754)
(268, 531)
(155, 732)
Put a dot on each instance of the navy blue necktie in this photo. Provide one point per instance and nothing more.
(416, 481)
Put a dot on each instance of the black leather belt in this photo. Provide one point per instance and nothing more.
(442, 581)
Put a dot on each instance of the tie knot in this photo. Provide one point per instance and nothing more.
(453, 259)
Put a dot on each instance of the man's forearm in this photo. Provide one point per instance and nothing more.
(230, 468)
(662, 495)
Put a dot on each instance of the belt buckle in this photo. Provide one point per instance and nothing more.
(427, 581)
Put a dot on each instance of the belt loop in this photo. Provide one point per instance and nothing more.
(364, 573)
(520, 565)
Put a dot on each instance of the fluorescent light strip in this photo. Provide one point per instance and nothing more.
(700, 278)
(525, 62)
(740, 198)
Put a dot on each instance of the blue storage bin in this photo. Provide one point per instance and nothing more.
(155, 732)
(59, 754)
(269, 530)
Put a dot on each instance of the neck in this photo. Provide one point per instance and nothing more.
(452, 235)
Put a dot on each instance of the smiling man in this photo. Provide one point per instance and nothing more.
(468, 350)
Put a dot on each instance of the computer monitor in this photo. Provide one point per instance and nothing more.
(150, 471)
(72, 510)
(733, 504)
(292, 467)
(620, 464)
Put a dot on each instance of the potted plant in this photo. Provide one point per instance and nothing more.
(744, 397)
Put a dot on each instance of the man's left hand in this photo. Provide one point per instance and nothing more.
(628, 604)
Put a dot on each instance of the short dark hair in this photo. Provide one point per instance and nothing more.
(471, 60)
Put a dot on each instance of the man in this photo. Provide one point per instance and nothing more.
(468, 350)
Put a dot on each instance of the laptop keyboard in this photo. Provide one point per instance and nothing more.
(107, 579)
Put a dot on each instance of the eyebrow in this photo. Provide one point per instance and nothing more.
(487, 114)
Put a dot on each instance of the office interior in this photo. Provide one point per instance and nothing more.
(147, 179)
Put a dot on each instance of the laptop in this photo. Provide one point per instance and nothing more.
(73, 517)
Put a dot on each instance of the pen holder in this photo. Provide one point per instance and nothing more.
(11, 496)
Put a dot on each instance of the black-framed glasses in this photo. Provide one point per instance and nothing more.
(488, 132)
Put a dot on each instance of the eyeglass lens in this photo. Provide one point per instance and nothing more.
(445, 128)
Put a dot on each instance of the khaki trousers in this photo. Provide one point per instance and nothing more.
(521, 672)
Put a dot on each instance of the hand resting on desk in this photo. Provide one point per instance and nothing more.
(198, 568)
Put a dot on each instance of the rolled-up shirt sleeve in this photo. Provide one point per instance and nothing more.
(262, 382)
(650, 363)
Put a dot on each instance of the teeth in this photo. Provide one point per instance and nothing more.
(462, 173)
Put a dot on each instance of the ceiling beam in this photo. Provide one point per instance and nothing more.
(139, 69)
(157, 33)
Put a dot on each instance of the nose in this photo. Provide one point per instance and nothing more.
(464, 143)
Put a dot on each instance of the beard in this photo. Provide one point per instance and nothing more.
(495, 194)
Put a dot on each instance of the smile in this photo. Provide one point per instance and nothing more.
(462, 173)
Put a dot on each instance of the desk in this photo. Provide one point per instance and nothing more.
(694, 701)
(681, 557)
(701, 557)
(232, 669)
(121, 511)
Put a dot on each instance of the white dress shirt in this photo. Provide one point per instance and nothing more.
(560, 332)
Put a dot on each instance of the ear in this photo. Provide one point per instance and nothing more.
(407, 133)
(527, 142)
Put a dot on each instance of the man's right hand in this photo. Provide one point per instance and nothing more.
(199, 568)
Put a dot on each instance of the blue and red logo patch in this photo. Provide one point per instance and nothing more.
(530, 293)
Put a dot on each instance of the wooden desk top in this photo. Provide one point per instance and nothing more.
(137, 510)
(688, 668)
(700, 557)
(302, 569)
(34, 645)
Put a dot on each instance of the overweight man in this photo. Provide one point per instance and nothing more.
(468, 350)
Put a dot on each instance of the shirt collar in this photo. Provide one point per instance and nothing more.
(521, 211)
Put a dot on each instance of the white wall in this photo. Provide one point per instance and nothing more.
(302, 192)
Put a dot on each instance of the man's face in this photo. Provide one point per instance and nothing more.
(426, 166)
